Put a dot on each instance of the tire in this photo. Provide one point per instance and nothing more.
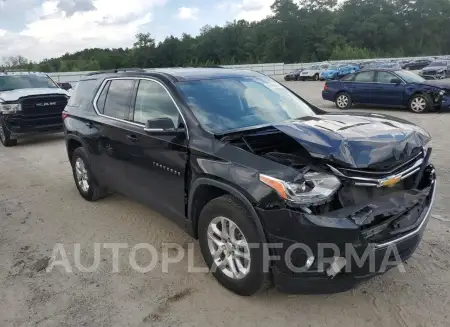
(5, 135)
(316, 77)
(343, 101)
(420, 103)
(227, 208)
(297, 78)
(80, 161)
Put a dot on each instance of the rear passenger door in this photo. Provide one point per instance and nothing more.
(113, 105)
(156, 166)
(363, 87)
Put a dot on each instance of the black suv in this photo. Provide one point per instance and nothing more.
(30, 103)
(260, 176)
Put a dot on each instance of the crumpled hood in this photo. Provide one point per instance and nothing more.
(437, 83)
(358, 140)
(15, 95)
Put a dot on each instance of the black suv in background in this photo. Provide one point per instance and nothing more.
(241, 162)
(30, 103)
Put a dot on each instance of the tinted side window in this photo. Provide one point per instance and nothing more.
(365, 77)
(384, 77)
(117, 102)
(153, 102)
(348, 78)
(102, 98)
(83, 93)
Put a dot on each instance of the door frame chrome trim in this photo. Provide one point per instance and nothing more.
(102, 86)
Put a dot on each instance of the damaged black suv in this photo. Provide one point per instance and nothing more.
(260, 176)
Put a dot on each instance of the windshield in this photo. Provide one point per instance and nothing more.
(438, 64)
(410, 77)
(314, 67)
(225, 104)
(14, 82)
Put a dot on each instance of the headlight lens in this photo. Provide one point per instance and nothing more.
(314, 189)
(10, 108)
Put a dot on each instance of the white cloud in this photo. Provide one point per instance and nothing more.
(251, 10)
(187, 13)
(57, 28)
(2, 32)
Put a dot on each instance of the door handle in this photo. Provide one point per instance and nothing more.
(132, 137)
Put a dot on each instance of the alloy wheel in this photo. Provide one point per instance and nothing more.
(342, 101)
(82, 175)
(418, 104)
(229, 248)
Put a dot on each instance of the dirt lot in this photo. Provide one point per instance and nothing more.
(39, 207)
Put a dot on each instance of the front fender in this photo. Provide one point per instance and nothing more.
(231, 190)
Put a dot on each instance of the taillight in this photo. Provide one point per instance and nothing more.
(64, 115)
(325, 87)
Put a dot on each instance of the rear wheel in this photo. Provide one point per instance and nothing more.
(5, 135)
(226, 235)
(316, 77)
(343, 101)
(420, 103)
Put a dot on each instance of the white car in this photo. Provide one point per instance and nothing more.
(314, 72)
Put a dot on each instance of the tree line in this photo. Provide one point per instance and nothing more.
(301, 31)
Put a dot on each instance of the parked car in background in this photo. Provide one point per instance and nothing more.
(390, 65)
(294, 75)
(388, 87)
(436, 70)
(416, 64)
(242, 163)
(30, 103)
(330, 73)
(338, 71)
(314, 71)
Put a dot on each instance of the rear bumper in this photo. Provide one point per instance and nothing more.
(363, 258)
(327, 95)
(20, 126)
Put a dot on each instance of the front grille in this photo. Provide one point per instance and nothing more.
(43, 105)
(371, 178)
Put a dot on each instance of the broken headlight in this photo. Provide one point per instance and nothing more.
(313, 189)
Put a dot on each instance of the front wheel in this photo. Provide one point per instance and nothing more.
(5, 135)
(231, 246)
(343, 101)
(420, 103)
(316, 77)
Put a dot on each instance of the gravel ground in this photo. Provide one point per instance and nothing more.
(40, 207)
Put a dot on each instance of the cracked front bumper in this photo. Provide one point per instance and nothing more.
(288, 228)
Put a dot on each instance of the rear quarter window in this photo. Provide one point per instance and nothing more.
(83, 93)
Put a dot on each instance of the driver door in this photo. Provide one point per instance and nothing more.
(157, 162)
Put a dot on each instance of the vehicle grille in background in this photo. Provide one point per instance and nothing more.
(43, 105)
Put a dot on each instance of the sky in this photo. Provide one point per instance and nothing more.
(38, 29)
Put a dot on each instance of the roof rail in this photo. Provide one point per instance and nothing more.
(136, 70)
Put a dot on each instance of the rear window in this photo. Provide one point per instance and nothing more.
(83, 93)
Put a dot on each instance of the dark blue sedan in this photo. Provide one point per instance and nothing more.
(389, 88)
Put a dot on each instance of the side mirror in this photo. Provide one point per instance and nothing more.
(65, 86)
(162, 126)
(396, 81)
